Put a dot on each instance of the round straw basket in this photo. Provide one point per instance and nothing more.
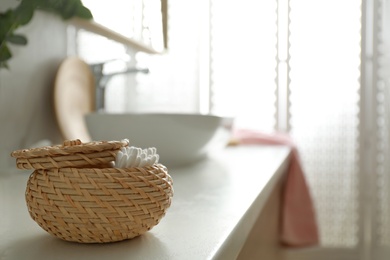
(99, 205)
(74, 195)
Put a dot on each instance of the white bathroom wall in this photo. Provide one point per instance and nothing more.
(26, 107)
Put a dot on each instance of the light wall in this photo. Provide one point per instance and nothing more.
(26, 106)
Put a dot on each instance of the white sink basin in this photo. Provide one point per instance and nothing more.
(179, 138)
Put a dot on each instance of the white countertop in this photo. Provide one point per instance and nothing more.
(215, 205)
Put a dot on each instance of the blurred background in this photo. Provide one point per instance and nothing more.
(318, 70)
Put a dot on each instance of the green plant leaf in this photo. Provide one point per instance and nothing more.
(83, 12)
(5, 53)
(6, 24)
(24, 12)
(17, 39)
(11, 19)
(3, 65)
(68, 10)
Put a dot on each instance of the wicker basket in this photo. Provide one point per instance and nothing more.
(70, 154)
(98, 205)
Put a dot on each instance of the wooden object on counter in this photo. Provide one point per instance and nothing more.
(74, 97)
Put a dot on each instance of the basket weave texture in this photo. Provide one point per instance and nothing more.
(74, 195)
(92, 205)
(70, 154)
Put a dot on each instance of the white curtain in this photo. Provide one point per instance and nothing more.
(317, 69)
(312, 72)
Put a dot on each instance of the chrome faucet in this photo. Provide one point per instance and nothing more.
(102, 79)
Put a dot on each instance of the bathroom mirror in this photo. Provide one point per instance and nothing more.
(140, 24)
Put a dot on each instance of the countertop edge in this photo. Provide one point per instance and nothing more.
(233, 244)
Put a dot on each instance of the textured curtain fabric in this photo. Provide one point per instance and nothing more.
(298, 224)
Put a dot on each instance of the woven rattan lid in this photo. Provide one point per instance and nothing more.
(70, 154)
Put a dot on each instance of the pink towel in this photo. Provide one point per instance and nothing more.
(298, 226)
